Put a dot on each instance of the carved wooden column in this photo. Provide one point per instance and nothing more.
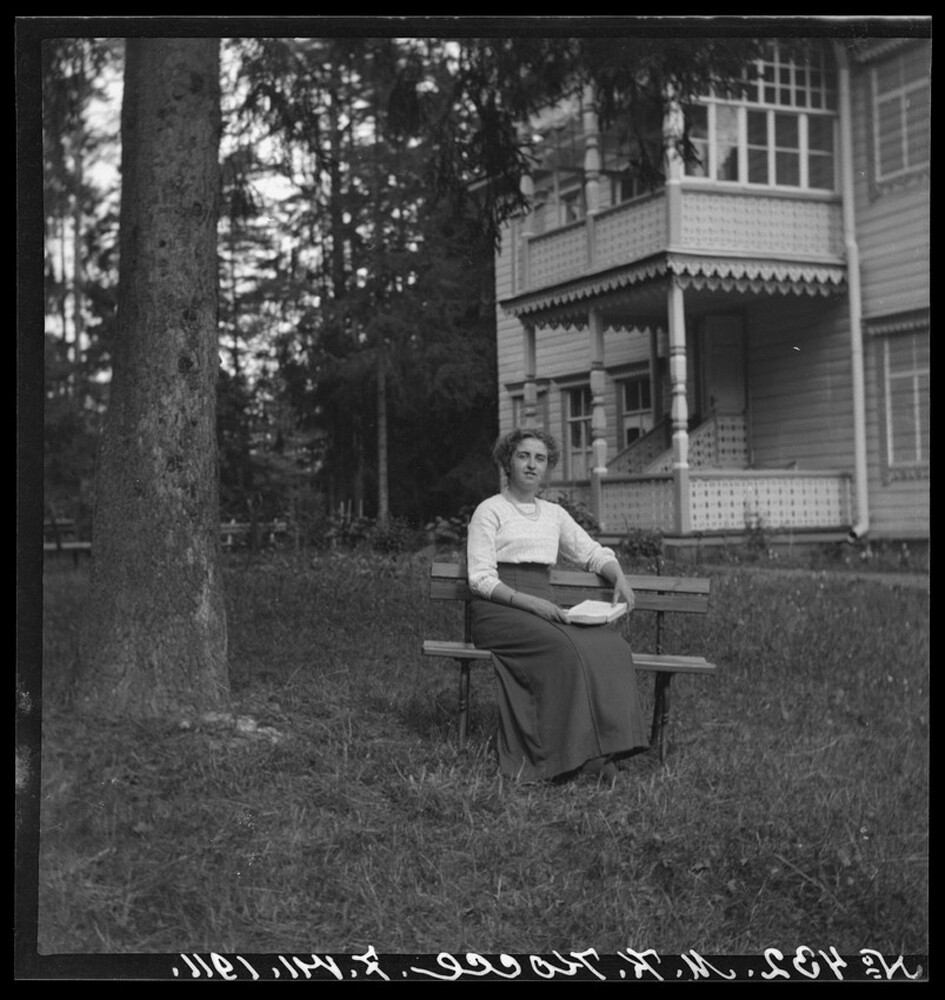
(524, 275)
(591, 171)
(673, 127)
(598, 413)
(530, 393)
(679, 408)
(530, 401)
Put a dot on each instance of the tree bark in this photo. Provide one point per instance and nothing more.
(154, 640)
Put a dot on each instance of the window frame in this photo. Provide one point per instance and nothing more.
(886, 179)
(569, 420)
(882, 334)
(780, 90)
(771, 147)
(643, 375)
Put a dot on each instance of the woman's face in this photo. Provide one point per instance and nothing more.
(529, 466)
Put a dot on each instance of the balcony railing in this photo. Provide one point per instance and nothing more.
(733, 500)
(728, 222)
(769, 499)
(638, 490)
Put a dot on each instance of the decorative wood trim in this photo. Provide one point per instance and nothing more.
(908, 322)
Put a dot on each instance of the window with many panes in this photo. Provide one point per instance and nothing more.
(901, 115)
(906, 381)
(779, 131)
(579, 458)
(636, 407)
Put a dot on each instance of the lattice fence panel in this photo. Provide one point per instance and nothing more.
(702, 450)
(761, 225)
(558, 256)
(638, 456)
(771, 502)
(646, 504)
(630, 232)
(731, 435)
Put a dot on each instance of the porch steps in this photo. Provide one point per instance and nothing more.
(719, 442)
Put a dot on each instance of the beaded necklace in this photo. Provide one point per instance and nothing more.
(531, 515)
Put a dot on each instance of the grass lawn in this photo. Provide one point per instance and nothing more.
(339, 815)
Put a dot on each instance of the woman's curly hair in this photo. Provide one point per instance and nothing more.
(507, 443)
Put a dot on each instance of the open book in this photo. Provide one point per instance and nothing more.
(595, 613)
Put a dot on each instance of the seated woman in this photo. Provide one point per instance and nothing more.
(567, 694)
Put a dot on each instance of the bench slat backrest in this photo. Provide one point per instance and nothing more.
(653, 593)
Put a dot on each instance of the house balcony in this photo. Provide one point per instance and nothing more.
(717, 238)
(724, 233)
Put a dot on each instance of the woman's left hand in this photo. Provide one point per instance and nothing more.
(624, 592)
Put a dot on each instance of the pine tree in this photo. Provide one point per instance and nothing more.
(154, 639)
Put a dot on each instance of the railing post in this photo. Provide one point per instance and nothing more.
(528, 225)
(680, 407)
(530, 400)
(598, 413)
(591, 173)
(673, 127)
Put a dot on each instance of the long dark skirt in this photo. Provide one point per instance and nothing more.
(566, 693)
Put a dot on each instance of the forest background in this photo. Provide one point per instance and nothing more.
(356, 304)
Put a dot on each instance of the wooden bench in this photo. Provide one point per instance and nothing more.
(60, 536)
(659, 594)
(245, 534)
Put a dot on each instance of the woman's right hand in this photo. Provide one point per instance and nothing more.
(544, 609)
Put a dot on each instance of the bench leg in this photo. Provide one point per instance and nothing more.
(661, 713)
(463, 715)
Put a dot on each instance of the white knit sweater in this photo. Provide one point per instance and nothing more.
(499, 532)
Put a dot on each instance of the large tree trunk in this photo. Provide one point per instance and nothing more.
(154, 642)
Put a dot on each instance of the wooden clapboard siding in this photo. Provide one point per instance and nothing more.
(562, 352)
(625, 347)
(565, 355)
(503, 262)
(893, 224)
(899, 508)
(509, 347)
(800, 388)
(510, 352)
(893, 238)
